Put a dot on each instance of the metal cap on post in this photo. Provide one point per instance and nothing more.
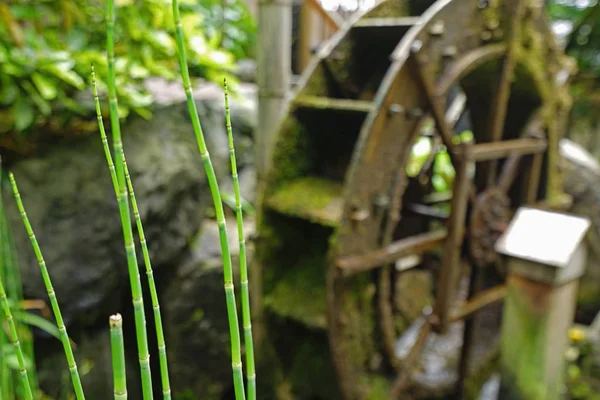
(545, 256)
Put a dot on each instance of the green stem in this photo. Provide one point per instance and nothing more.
(118, 357)
(236, 359)
(14, 339)
(134, 275)
(246, 318)
(64, 337)
(162, 349)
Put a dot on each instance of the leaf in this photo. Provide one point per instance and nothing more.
(28, 318)
(8, 90)
(24, 114)
(67, 75)
(40, 102)
(10, 357)
(44, 85)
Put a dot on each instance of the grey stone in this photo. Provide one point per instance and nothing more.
(71, 205)
(196, 327)
(246, 70)
(93, 357)
(582, 182)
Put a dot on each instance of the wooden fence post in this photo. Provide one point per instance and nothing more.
(546, 256)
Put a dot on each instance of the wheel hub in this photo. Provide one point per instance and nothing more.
(489, 219)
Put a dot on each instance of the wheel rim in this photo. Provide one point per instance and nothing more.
(450, 43)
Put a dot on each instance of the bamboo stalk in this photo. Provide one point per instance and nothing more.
(14, 339)
(236, 360)
(134, 275)
(64, 337)
(246, 317)
(162, 349)
(118, 357)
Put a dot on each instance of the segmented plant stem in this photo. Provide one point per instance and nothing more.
(246, 318)
(14, 339)
(134, 275)
(236, 359)
(64, 337)
(118, 357)
(162, 348)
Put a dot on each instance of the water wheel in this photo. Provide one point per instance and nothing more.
(359, 240)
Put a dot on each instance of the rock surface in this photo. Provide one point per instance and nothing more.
(196, 327)
(582, 182)
(73, 211)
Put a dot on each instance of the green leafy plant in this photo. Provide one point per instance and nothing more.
(123, 188)
(46, 48)
(14, 339)
(246, 318)
(236, 359)
(64, 337)
(122, 199)
(118, 357)
(162, 349)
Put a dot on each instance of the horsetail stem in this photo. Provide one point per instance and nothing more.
(64, 337)
(162, 349)
(134, 275)
(14, 339)
(236, 359)
(246, 318)
(118, 357)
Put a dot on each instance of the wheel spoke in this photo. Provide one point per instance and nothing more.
(450, 263)
(514, 147)
(532, 181)
(499, 105)
(409, 361)
(437, 109)
(453, 114)
(351, 265)
(479, 301)
(509, 173)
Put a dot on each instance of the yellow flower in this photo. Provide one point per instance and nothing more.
(576, 334)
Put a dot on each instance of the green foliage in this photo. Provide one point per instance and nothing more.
(578, 26)
(10, 387)
(47, 47)
(582, 368)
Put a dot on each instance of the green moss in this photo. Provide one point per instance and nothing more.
(391, 8)
(316, 84)
(481, 375)
(376, 387)
(311, 373)
(300, 293)
(316, 199)
(292, 154)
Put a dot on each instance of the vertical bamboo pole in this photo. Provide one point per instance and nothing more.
(274, 71)
(273, 77)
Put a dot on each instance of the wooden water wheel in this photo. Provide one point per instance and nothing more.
(357, 241)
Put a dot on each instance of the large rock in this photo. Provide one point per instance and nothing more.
(582, 182)
(196, 327)
(71, 205)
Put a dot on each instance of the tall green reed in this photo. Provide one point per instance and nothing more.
(64, 337)
(14, 339)
(11, 277)
(162, 348)
(118, 357)
(234, 330)
(246, 318)
(134, 276)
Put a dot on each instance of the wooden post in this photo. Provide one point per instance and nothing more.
(546, 257)
(274, 71)
(274, 60)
